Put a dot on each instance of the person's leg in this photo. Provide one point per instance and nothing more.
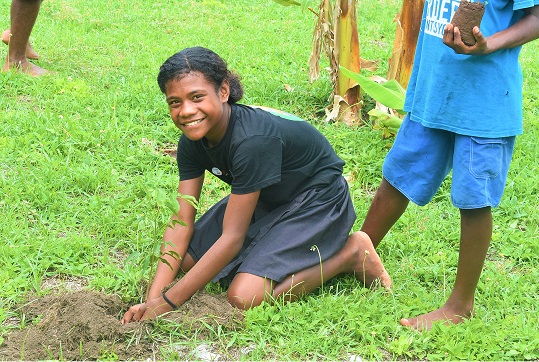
(30, 52)
(23, 17)
(476, 232)
(413, 170)
(358, 257)
(386, 208)
(187, 263)
(479, 176)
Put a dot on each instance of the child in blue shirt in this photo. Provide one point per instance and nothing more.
(464, 107)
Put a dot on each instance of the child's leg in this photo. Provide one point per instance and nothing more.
(23, 18)
(386, 208)
(30, 52)
(476, 232)
(413, 170)
(358, 257)
(187, 263)
(479, 175)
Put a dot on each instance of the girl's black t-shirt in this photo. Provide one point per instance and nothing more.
(264, 149)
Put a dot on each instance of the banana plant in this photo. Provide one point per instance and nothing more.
(336, 36)
(402, 58)
(389, 96)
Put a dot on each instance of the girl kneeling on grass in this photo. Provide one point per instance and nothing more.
(285, 226)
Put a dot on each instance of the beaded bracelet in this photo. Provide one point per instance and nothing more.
(174, 306)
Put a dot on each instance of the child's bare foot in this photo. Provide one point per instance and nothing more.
(368, 267)
(25, 67)
(445, 314)
(30, 52)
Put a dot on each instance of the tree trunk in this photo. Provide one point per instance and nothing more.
(347, 54)
(408, 23)
(336, 35)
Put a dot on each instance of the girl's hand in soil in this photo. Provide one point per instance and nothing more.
(144, 311)
(453, 40)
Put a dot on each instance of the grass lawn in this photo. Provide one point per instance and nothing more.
(84, 186)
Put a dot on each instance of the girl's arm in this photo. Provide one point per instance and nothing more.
(520, 33)
(176, 237)
(238, 215)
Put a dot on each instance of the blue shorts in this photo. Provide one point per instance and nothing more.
(422, 157)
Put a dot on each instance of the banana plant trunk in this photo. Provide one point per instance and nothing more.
(402, 58)
(336, 35)
(347, 52)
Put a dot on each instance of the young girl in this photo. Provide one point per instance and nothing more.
(284, 228)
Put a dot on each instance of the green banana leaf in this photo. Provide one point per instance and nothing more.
(391, 94)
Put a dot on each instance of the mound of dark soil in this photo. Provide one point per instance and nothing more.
(74, 326)
(468, 16)
(84, 325)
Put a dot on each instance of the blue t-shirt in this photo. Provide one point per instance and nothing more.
(467, 94)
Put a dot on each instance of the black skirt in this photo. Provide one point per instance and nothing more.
(284, 240)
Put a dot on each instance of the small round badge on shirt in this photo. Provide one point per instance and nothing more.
(216, 171)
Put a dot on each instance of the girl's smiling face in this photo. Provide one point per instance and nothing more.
(197, 109)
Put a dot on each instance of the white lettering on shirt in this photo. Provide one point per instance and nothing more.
(438, 15)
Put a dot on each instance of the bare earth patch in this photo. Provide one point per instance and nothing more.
(83, 324)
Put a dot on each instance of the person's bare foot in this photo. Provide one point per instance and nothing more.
(445, 314)
(30, 52)
(25, 67)
(368, 267)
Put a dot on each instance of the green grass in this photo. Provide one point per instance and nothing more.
(79, 168)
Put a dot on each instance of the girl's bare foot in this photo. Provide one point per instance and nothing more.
(368, 267)
(25, 67)
(445, 314)
(30, 52)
